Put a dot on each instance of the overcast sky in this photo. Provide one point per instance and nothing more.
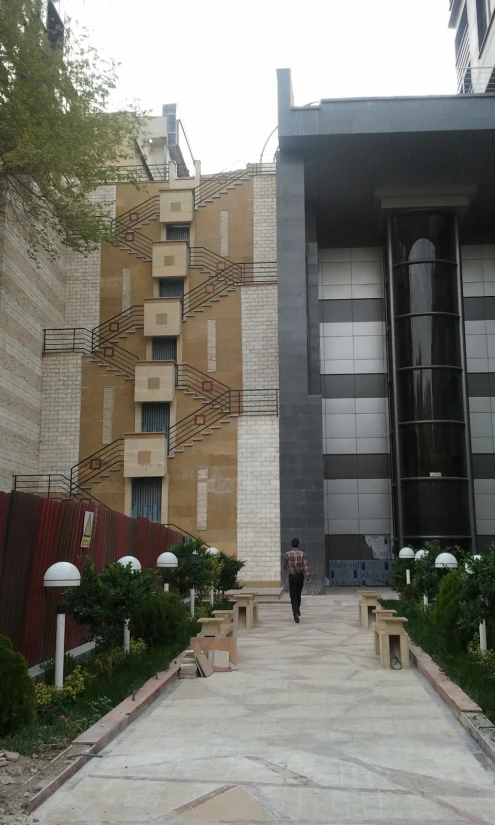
(217, 59)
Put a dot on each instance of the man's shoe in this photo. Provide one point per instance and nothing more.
(296, 619)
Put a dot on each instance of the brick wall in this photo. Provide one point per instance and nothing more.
(61, 411)
(83, 274)
(258, 498)
(259, 336)
(31, 299)
(264, 219)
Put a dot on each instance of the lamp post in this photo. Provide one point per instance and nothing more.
(421, 554)
(214, 551)
(446, 560)
(407, 553)
(136, 568)
(61, 574)
(482, 627)
(166, 561)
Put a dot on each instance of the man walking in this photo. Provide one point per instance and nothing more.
(296, 564)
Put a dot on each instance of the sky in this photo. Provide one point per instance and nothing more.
(217, 60)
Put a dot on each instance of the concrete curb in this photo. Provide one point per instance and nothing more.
(93, 740)
(465, 709)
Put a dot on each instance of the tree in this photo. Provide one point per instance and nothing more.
(230, 567)
(104, 602)
(58, 143)
(197, 569)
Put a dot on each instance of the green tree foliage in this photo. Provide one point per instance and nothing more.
(230, 568)
(161, 619)
(197, 569)
(104, 602)
(447, 612)
(17, 693)
(57, 142)
(479, 593)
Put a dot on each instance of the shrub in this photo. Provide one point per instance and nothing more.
(17, 694)
(231, 567)
(104, 602)
(197, 569)
(398, 569)
(447, 611)
(203, 611)
(479, 594)
(160, 620)
(410, 593)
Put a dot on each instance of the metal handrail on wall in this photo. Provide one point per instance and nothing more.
(90, 343)
(54, 486)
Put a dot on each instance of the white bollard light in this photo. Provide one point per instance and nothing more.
(483, 644)
(420, 554)
(446, 560)
(136, 568)
(192, 595)
(61, 574)
(407, 553)
(166, 561)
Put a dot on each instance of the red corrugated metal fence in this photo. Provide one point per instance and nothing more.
(37, 532)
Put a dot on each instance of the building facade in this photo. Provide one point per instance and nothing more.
(153, 362)
(474, 44)
(386, 254)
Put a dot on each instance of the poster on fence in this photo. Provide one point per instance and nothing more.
(356, 573)
(87, 529)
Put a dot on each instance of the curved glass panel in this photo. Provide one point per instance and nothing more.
(429, 394)
(435, 508)
(425, 287)
(432, 448)
(423, 235)
(426, 340)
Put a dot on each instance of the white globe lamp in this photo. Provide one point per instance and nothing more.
(407, 553)
(61, 574)
(446, 560)
(167, 561)
(213, 551)
(133, 561)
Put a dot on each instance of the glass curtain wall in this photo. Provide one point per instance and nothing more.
(430, 426)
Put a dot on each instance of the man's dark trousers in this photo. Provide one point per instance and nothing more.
(296, 581)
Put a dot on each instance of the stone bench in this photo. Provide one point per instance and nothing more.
(211, 627)
(227, 618)
(245, 610)
(368, 601)
(391, 632)
(380, 614)
(205, 644)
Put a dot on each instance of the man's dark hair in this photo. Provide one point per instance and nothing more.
(295, 542)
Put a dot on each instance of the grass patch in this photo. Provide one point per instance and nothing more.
(471, 676)
(58, 725)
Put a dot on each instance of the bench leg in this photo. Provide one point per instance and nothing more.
(404, 651)
(249, 617)
(365, 616)
(376, 641)
(385, 650)
(256, 618)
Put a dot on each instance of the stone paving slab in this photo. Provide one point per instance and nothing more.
(309, 729)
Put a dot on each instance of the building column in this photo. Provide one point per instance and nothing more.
(301, 444)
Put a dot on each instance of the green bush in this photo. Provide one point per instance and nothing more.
(231, 567)
(447, 611)
(197, 569)
(162, 619)
(410, 593)
(398, 569)
(479, 594)
(17, 692)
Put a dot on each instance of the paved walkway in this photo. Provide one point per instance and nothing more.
(309, 729)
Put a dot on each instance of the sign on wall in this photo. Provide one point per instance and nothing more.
(379, 546)
(87, 529)
(356, 573)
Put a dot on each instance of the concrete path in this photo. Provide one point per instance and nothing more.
(309, 729)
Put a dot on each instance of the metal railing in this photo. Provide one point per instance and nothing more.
(216, 184)
(90, 343)
(475, 80)
(126, 321)
(146, 211)
(231, 402)
(230, 278)
(202, 258)
(190, 379)
(100, 463)
(54, 486)
(138, 173)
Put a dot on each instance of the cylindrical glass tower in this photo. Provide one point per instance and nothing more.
(432, 479)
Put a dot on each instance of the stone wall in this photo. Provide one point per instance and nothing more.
(259, 336)
(258, 498)
(264, 220)
(32, 298)
(61, 411)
